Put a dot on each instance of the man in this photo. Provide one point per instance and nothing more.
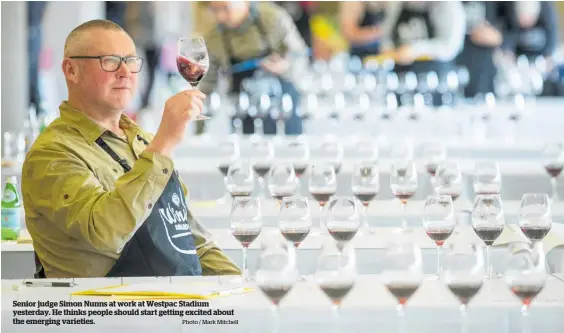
(102, 197)
(424, 36)
(259, 31)
(360, 23)
(483, 37)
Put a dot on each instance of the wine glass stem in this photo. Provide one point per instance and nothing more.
(554, 185)
(276, 315)
(464, 318)
(489, 261)
(262, 191)
(336, 310)
(439, 266)
(245, 268)
(365, 216)
(403, 219)
(401, 318)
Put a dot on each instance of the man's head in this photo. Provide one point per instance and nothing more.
(94, 80)
(230, 13)
(527, 13)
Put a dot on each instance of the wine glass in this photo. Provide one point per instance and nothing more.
(366, 151)
(448, 180)
(464, 274)
(535, 216)
(526, 276)
(554, 163)
(229, 153)
(403, 183)
(294, 219)
(246, 225)
(401, 150)
(240, 179)
(403, 271)
(300, 156)
(322, 183)
(434, 153)
(488, 221)
(262, 156)
(282, 181)
(365, 186)
(335, 275)
(487, 178)
(331, 152)
(276, 274)
(439, 222)
(193, 62)
(342, 220)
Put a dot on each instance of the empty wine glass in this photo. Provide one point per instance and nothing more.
(434, 153)
(365, 186)
(464, 274)
(448, 180)
(403, 271)
(526, 276)
(332, 152)
(229, 153)
(246, 225)
(342, 220)
(276, 274)
(403, 183)
(488, 221)
(553, 164)
(282, 181)
(294, 219)
(193, 62)
(487, 178)
(439, 222)
(335, 275)
(535, 216)
(262, 156)
(240, 181)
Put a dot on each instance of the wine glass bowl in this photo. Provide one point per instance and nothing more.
(332, 152)
(193, 62)
(439, 222)
(403, 183)
(240, 179)
(487, 178)
(322, 183)
(434, 153)
(294, 219)
(488, 221)
(365, 186)
(535, 216)
(448, 180)
(554, 164)
(342, 220)
(246, 224)
(262, 157)
(282, 181)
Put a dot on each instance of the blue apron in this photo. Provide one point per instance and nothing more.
(413, 25)
(370, 19)
(163, 245)
(294, 124)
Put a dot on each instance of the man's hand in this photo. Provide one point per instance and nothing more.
(178, 111)
(404, 55)
(275, 64)
(486, 35)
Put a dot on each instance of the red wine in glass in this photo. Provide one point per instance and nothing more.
(191, 71)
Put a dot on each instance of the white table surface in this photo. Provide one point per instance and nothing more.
(305, 309)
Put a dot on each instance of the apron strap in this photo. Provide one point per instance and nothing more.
(126, 167)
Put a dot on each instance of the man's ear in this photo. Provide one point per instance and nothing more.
(71, 70)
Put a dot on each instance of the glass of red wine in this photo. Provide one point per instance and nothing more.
(448, 180)
(300, 156)
(403, 183)
(488, 222)
(342, 220)
(335, 275)
(554, 163)
(464, 274)
(322, 185)
(526, 276)
(332, 152)
(439, 222)
(402, 272)
(262, 156)
(229, 153)
(193, 62)
(535, 216)
(240, 180)
(434, 153)
(294, 219)
(487, 178)
(246, 225)
(365, 187)
(366, 150)
(282, 181)
(276, 274)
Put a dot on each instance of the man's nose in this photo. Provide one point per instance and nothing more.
(123, 70)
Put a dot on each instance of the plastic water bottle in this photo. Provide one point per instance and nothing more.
(11, 210)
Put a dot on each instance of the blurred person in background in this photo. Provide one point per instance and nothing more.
(256, 30)
(301, 14)
(361, 25)
(35, 14)
(424, 36)
(115, 12)
(483, 37)
(140, 19)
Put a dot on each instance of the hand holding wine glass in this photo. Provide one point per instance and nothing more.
(193, 62)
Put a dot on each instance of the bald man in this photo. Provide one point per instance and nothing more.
(102, 196)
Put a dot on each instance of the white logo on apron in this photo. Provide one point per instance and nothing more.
(175, 221)
(412, 30)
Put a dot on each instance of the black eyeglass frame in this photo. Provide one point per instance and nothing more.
(122, 60)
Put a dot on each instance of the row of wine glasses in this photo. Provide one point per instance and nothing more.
(402, 275)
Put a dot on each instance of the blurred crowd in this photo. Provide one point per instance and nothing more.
(281, 40)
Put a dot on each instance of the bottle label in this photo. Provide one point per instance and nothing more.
(11, 218)
(9, 196)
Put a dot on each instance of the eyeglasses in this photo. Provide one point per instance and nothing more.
(111, 63)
